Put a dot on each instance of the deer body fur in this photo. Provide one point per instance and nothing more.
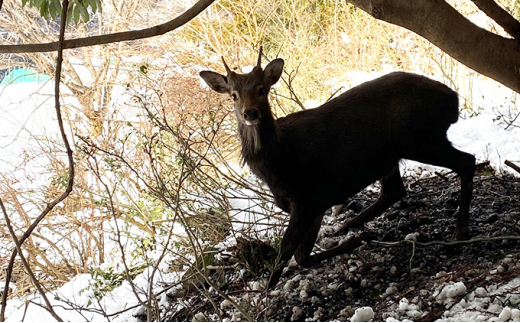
(315, 159)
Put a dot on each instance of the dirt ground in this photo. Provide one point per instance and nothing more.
(380, 277)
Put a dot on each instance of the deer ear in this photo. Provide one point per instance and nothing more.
(215, 81)
(273, 71)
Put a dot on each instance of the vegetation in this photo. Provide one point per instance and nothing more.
(158, 181)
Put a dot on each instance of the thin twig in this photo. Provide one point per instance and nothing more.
(443, 243)
(288, 82)
(333, 94)
(70, 182)
(512, 121)
(26, 264)
(225, 296)
(442, 176)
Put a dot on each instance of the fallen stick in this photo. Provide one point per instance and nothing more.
(513, 166)
(444, 243)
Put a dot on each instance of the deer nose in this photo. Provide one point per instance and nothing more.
(250, 115)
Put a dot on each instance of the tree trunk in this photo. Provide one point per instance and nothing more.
(489, 54)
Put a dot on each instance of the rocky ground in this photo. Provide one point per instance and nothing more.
(479, 281)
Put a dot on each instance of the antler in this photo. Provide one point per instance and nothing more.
(259, 64)
(228, 70)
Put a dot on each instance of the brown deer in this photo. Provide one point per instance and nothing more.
(315, 159)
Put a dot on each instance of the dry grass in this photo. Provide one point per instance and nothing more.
(149, 172)
(323, 41)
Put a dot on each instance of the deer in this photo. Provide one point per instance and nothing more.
(314, 159)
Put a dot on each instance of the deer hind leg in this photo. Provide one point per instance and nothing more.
(304, 259)
(443, 154)
(392, 190)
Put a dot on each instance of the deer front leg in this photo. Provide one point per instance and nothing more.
(301, 230)
(299, 239)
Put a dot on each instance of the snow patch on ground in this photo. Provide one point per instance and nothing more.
(24, 120)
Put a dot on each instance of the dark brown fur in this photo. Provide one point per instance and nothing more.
(314, 159)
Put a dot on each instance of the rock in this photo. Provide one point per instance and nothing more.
(257, 285)
(505, 315)
(318, 314)
(494, 308)
(289, 286)
(515, 315)
(347, 311)
(275, 293)
(403, 304)
(307, 285)
(225, 304)
(236, 317)
(414, 314)
(451, 291)
(441, 274)
(199, 317)
(327, 292)
(456, 289)
(480, 291)
(297, 313)
(333, 286)
(391, 290)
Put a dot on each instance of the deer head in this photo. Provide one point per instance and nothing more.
(248, 91)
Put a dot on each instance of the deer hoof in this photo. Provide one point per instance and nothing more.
(274, 279)
(461, 234)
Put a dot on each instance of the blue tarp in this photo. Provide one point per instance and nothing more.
(23, 75)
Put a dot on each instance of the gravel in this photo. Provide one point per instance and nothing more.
(467, 282)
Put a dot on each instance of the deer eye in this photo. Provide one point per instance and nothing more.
(261, 91)
(234, 96)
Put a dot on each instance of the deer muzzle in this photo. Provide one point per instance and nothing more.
(250, 116)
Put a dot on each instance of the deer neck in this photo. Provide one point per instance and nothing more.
(259, 141)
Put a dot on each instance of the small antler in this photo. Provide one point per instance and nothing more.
(259, 64)
(228, 70)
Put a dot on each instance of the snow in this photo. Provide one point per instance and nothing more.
(363, 314)
(28, 120)
(482, 135)
(451, 291)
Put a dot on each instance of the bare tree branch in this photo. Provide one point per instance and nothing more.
(500, 16)
(483, 51)
(26, 264)
(70, 157)
(177, 22)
